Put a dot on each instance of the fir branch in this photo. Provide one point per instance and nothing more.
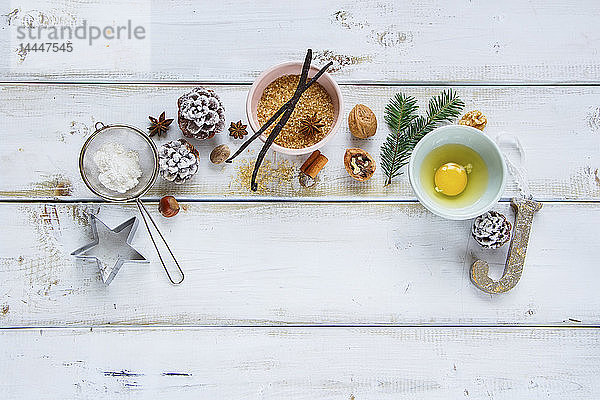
(443, 108)
(399, 113)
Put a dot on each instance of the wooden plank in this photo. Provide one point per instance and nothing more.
(303, 363)
(452, 41)
(45, 126)
(264, 264)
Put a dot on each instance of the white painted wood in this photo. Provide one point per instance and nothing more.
(43, 128)
(268, 264)
(460, 41)
(300, 363)
(296, 263)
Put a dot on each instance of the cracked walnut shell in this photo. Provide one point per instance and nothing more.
(475, 119)
(359, 164)
(362, 122)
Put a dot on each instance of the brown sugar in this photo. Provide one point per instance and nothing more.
(315, 100)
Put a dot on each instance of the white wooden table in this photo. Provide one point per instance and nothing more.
(343, 291)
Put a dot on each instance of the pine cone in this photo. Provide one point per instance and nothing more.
(201, 114)
(177, 161)
(491, 230)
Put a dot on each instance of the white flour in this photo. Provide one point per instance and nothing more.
(119, 167)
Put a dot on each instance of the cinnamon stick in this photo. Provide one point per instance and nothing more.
(314, 164)
(313, 156)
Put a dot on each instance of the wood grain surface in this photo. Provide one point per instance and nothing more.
(384, 41)
(343, 291)
(265, 264)
(559, 128)
(301, 363)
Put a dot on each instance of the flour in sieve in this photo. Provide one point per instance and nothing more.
(119, 167)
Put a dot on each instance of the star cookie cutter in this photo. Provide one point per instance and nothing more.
(125, 253)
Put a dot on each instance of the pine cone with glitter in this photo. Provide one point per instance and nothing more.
(201, 114)
(177, 161)
(491, 230)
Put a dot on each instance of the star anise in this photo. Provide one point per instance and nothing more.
(311, 125)
(238, 130)
(160, 125)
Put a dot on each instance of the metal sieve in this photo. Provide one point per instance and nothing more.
(134, 139)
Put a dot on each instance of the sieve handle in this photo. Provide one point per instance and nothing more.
(146, 216)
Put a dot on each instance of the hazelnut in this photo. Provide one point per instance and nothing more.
(359, 164)
(220, 154)
(362, 122)
(475, 119)
(168, 206)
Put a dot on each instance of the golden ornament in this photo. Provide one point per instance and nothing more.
(516, 253)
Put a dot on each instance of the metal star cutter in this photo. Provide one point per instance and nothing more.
(111, 244)
(134, 139)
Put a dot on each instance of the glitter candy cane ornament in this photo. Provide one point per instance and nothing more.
(524, 208)
(516, 253)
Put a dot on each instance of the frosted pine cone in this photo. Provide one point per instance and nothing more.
(491, 230)
(177, 161)
(201, 114)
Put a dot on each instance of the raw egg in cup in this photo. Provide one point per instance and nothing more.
(457, 172)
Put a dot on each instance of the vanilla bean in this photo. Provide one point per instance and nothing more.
(263, 151)
(258, 132)
(284, 119)
(277, 114)
(290, 103)
(305, 68)
(285, 111)
(317, 75)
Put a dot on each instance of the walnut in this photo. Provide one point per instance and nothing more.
(359, 164)
(220, 154)
(475, 119)
(362, 122)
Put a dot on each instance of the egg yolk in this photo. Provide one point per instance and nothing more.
(450, 179)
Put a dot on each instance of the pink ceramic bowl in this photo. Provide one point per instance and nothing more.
(293, 68)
